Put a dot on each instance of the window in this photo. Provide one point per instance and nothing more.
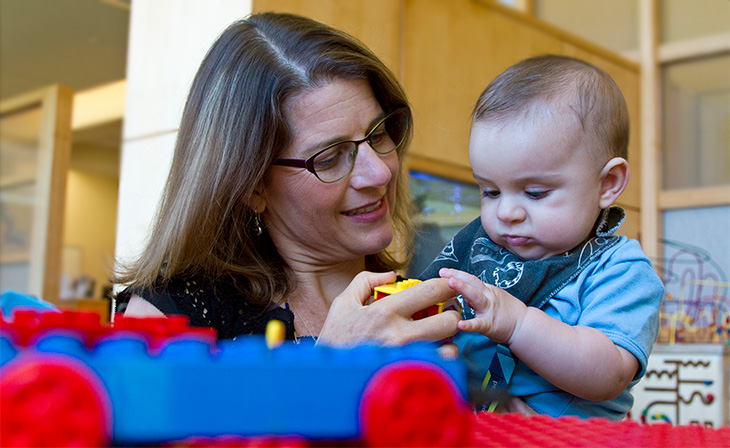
(696, 123)
(444, 207)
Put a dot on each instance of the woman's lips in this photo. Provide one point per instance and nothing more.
(364, 210)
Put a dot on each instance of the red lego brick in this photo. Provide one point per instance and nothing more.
(27, 326)
(158, 331)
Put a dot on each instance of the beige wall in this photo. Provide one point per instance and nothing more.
(91, 211)
(377, 23)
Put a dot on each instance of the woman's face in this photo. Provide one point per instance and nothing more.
(317, 223)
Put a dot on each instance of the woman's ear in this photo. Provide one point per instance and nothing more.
(257, 203)
(614, 177)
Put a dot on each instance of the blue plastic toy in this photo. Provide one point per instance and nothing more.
(111, 385)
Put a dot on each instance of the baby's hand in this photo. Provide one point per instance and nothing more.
(498, 314)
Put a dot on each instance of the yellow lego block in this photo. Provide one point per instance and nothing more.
(392, 288)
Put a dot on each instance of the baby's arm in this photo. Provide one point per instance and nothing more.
(578, 359)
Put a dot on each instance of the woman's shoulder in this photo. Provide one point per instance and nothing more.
(219, 304)
(223, 305)
(164, 294)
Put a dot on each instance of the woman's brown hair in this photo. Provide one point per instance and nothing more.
(233, 126)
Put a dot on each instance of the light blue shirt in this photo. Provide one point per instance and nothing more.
(619, 294)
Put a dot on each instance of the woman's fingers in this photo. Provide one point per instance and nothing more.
(348, 320)
(362, 286)
(449, 351)
(388, 320)
(419, 297)
(435, 328)
(410, 301)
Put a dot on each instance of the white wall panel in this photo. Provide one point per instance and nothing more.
(167, 41)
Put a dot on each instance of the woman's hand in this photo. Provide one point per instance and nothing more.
(388, 321)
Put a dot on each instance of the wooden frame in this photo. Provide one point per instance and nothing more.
(694, 48)
(650, 121)
(694, 197)
(654, 56)
(54, 149)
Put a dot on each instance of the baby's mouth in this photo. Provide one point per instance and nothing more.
(514, 240)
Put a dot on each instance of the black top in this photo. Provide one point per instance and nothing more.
(218, 305)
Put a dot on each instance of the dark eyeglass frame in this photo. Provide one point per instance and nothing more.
(308, 163)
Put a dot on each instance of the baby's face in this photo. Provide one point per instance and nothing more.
(540, 188)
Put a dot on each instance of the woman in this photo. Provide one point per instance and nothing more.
(285, 191)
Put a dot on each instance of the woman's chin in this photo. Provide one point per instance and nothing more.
(376, 243)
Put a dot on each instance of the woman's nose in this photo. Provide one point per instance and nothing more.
(371, 168)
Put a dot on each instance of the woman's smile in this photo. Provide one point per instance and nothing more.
(365, 209)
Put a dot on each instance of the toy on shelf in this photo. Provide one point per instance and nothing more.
(698, 313)
(70, 380)
(684, 384)
(392, 288)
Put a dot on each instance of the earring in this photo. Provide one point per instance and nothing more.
(257, 227)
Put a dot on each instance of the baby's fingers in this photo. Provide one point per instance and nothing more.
(475, 325)
(460, 275)
(473, 292)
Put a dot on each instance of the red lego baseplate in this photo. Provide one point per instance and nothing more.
(515, 430)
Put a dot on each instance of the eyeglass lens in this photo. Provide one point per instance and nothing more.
(336, 161)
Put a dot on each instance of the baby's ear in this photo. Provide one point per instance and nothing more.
(614, 177)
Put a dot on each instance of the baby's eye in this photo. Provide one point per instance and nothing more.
(491, 194)
(536, 194)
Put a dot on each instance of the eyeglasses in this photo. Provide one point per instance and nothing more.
(336, 160)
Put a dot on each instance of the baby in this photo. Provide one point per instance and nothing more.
(570, 312)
